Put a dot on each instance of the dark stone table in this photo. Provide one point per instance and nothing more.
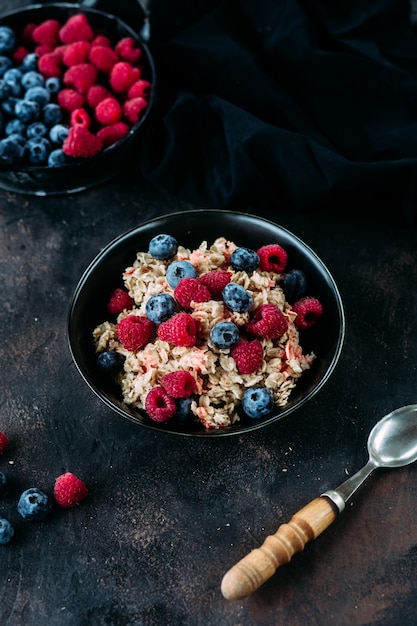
(167, 516)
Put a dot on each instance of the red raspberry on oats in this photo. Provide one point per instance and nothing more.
(135, 331)
(216, 281)
(112, 133)
(309, 310)
(76, 28)
(81, 143)
(159, 405)
(248, 355)
(179, 330)
(119, 301)
(69, 490)
(273, 258)
(191, 290)
(4, 442)
(268, 322)
(179, 384)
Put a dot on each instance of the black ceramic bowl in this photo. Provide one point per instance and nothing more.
(81, 173)
(88, 306)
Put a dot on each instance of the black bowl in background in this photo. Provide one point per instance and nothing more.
(82, 173)
(88, 305)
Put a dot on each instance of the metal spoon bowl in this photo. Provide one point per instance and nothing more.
(391, 443)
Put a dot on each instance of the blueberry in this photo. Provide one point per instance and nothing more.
(257, 402)
(52, 114)
(110, 362)
(32, 79)
(163, 247)
(224, 335)
(36, 129)
(236, 298)
(5, 64)
(7, 39)
(5, 90)
(6, 531)
(57, 158)
(8, 103)
(3, 484)
(178, 270)
(13, 78)
(245, 260)
(30, 62)
(58, 134)
(294, 285)
(39, 95)
(184, 413)
(11, 150)
(15, 126)
(160, 307)
(53, 84)
(27, 110)
(34, 505)
(37, 150)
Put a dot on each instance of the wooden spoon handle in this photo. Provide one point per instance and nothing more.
(260, 564)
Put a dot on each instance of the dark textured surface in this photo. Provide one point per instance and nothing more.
(166, 517)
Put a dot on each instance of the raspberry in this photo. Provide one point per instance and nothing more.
(216, 281)
(309, 310)
(248, 355)
(127, 50)
(132, 109)
(81, 143)
(122, 76)
(76, 53)
(76, 28)
(4, 442)
(140, 89)
(159, 405)
(69, 99)
(96, 94)
(179, 384)
(273, 258)
(27, 35)
(101, 40)
(82, 77)
(267, 321)
(69, 490)
(50, 64)
(112, 133)
(119, 301)
(103, 58)
(80, 117)
(19, 54)
(135, 331)
(108, 111)
(47, 33)
(191, 290)
(179, 330)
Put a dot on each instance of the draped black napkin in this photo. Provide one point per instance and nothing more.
(310, 104)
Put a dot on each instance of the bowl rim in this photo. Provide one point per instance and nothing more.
(233, 430)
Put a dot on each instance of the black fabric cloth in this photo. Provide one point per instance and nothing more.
(310, 104)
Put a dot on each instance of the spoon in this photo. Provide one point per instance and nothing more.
(391, 443)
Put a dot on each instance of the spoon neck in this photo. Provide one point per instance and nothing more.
(345, 491)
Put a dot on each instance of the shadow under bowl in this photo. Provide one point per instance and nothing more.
(190, 228)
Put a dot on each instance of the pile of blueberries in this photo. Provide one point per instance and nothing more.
(31, 128)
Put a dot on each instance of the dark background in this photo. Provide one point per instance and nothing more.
(167, 516)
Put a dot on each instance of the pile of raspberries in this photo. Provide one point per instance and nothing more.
(179, 328)
(102, 94)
